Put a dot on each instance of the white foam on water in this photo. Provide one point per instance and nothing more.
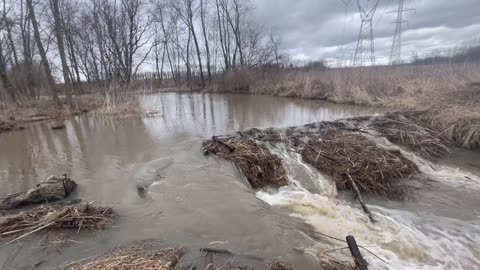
(396, 237)
(445, 174)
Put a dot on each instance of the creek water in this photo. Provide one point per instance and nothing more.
(197, 202)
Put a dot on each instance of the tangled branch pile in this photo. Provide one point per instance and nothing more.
(342, 154)
(257, 163)
(80, 217)
(135, 257)
(403, 128)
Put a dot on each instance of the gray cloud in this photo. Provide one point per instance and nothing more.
(326, 29)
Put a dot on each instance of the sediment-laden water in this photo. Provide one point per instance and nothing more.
(196, 201)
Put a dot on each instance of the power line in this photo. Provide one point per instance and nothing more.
(365, 51)
(396, 51)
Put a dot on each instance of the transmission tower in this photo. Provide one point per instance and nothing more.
(396, 51)
(365, 52)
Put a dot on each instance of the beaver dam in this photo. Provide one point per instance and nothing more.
(341, 150)
(283, 195)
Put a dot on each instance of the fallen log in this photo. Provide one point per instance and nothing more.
(54, 189)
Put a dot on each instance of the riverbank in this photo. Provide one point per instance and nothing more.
(445, 97)
(18, 116)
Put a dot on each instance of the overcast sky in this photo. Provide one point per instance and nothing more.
(327, 29)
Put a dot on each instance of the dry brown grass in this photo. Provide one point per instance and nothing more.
(135, 258)
(40, 110)
(448, 93)
(404, 128)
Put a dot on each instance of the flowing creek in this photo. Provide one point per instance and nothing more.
(197, 201)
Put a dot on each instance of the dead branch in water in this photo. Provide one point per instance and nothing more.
(54, 189)
(360, 199)
(257, 163)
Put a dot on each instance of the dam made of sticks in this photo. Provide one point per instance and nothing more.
(344, 150)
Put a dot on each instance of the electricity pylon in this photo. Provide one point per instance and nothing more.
(365, 52)
(396, 51)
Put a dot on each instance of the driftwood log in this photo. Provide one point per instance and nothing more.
(54, 189)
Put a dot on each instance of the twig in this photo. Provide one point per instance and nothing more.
(27, 234)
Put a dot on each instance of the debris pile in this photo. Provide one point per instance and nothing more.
(135, 257)
(53, 217)
(403, 128)
(344, 155)
(260, 166)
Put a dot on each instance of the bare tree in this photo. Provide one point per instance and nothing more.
(59, 32)
(42, 52)
(3, 74)
(205, 37)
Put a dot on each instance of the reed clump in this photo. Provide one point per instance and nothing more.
(260, 166)
(135, 258)
(86, 217)
(344, 155)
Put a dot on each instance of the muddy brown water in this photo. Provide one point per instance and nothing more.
(198, 202)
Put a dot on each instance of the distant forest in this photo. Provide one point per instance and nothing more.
(470, 54)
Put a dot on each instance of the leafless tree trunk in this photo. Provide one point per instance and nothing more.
(61, 49)
(205, 38)
(8, 26)
(3, 75)
(42, 52)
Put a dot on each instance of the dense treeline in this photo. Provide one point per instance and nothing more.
(70, 44)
